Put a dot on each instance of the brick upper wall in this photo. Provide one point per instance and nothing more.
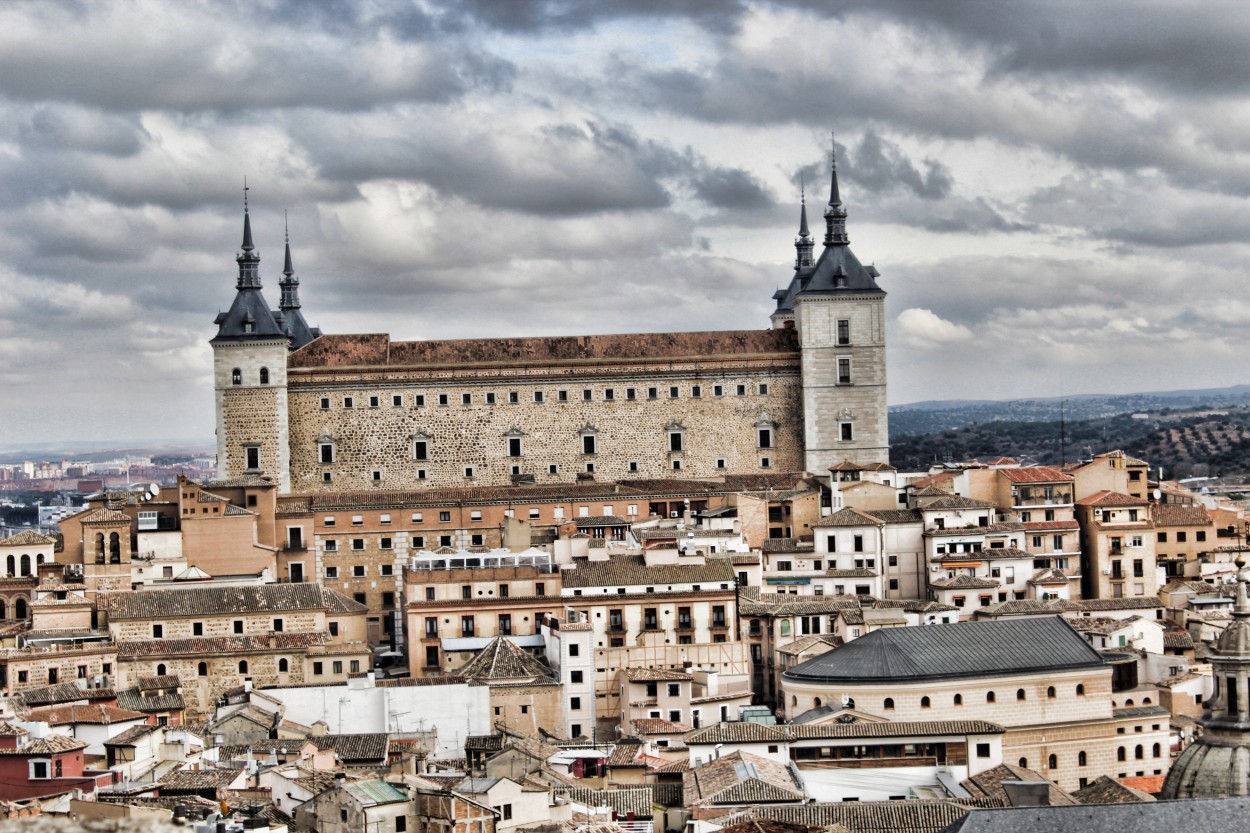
(377, 349)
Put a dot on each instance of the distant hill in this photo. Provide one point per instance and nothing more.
(1189, 433)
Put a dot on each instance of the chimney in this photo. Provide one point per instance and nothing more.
(1027, 793)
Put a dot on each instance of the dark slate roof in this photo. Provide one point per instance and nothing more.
(953, 651)
(833, 262)
(632, 570)
(249, 306)
(1144, 817)
(208, 601)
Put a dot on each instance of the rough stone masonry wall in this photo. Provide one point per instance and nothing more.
(368, 439)
(249, 418)
(220, 624)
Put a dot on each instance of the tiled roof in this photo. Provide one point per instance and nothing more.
(1107, 790)
(1049, 576)
(898, 516)
(1125, 603)
(990, 783)
(131, 699)
(871, 816)
(851, 572)
(95, 713)
(953, 651)
(736, 733)
(1051, 526)
(1109, 498)
(26, 538)
(104, 516)
(593, 521)
(365, 747)
(893, 729)
(783, 604)
(636, 675)
(163, 682)
(787, 545)
(741, 778)
(1178, 640)
(987, 554)
(806, 643)
(632, 570)
(208, 601)
(963, 582)
(1101, 624)
(50, 745)
(49, 695)
(198, 779)
(1036, 474)
(635, 800)
(849, 517)
(656, 726)
(8, 730)
(957, 502)
(1175, 514)
(503, 659)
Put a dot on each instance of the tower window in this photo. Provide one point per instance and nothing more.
(325, 403)
(741, 390)
(468, 471)
(589, 444)
(675, 441)
(553, 468)
(763, 389)
(696, 391)
(718, 390)
(766, 462)
(766, 437)
(653, 393)
(720, 462)
(562, 396)
(374, 401)
(538, 396)
(631, 393)
(419, 400)
(349, 402)
(252, 453)
(846, 431)
(264, 375)
(674, 392)
(587, 395)
(844, 370)
(236, 376)
(844, 331)
(397, 400)
(513, 397)
(421, 450)
(466, 399)
(609, 394)
(514, 446)
(490, 398)
(633, 465)
(442, 399)
(326, 453)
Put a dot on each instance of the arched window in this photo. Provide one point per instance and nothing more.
(242, 666)
(25, 564)
(1052, 762)
(1050, 692)
(1145, 701)
(888, 705)
(99, 551)
(1020, 694)
(19, 608)
(794, 701)
(264, 375)
(236, 376)
(4, 610)
(202, 669)
(38, 559)
(12, 560)
(1154, 751)
(160, 669)
(284, 666)
(1121, 755)
(1024, 763)
(924, 702)
(1081, 758)
(115, 548)
(989, 697)
(1080, 689)
(1128, 702)
(959, 699)
(1139, 753)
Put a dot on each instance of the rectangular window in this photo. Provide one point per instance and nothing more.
(468, 471)
(674, 440)
(513, 397)
(847, 432)
(238, 626)
(763, 389)
(538, 396)
(587, 395)
(420, 450)
(844, 370)
(358, 544)
(674, 392)
(158, 631)
(326, 453)
(418, 541)
(844, 331)
(374, 402)
(588, 443)
(562, 396)
(718, 390)
(419, 400)
(653, 393)
(358, 520)
(318, 669)
(741, 390)
(466, 625)
(609, 394)
(575, 703)
(490, 398)
(332, 572)
(338, 666)
(766, 437)
(442, 399)
(348, 402)
(631, 393)
(696, 391)
(397, 401)
(277, 625)
(514, 446)
(358, 571)
(444, 517)
(325, 403)
(466, 399)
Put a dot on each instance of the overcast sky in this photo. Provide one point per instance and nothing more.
(1055, 194)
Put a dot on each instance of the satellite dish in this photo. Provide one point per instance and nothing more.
(154, 489)
(1158, 494)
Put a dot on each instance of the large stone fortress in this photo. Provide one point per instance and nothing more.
(353, 412)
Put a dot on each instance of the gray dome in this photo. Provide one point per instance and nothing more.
(1205, 770)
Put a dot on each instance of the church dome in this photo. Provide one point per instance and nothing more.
(1205, 770)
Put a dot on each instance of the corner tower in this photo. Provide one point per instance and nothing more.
(839, 312)
(249, 377)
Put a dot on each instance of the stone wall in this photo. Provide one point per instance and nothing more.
(251, 412)
(374, 437)
(258, 622)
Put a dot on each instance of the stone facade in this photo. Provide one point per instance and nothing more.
(252, 413)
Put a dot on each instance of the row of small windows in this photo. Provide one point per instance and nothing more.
(284, 667)
(990, 697)
(21, 566)
(538, 396)
(236, 376)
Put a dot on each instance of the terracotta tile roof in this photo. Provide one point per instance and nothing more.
(218, 645)
(209, 601)
(990, 784)
(1173, 514)
(1025, 607)
(1107, 790)
(96, 714)
(377, 349)
(1126, 603)
(656, 726)
(503, 659)
(51, 745)
(675, 766)
(1036, 474)
(783, 604)
(1178, 640)
(198, 779)
(8, 730)
(632, 570)
(739, 732)
(772, 545)
(26, 538)
(626, 754)
(363, 747)
(49, 695)
(1051, 526)
(655, 674)
(893, 729)
(1109, 498)
(741, 778)
(916, 816)
(956, 502)
(131, 699)
(849, 517)
(987, 554)
(898, 516)
(963, 582)
(806, 643)
(104, 516)
(636, 800)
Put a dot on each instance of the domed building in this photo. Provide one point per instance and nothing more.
(1217, 764)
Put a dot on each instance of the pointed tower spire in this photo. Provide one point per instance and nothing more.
(249, 258)
(289, 283)
(835, 214)
(804, 243)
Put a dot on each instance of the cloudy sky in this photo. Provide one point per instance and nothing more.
(1055, 194)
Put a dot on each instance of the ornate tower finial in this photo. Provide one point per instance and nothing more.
(835, 214)
(803, 244)
(289, 283)
(249, 258)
